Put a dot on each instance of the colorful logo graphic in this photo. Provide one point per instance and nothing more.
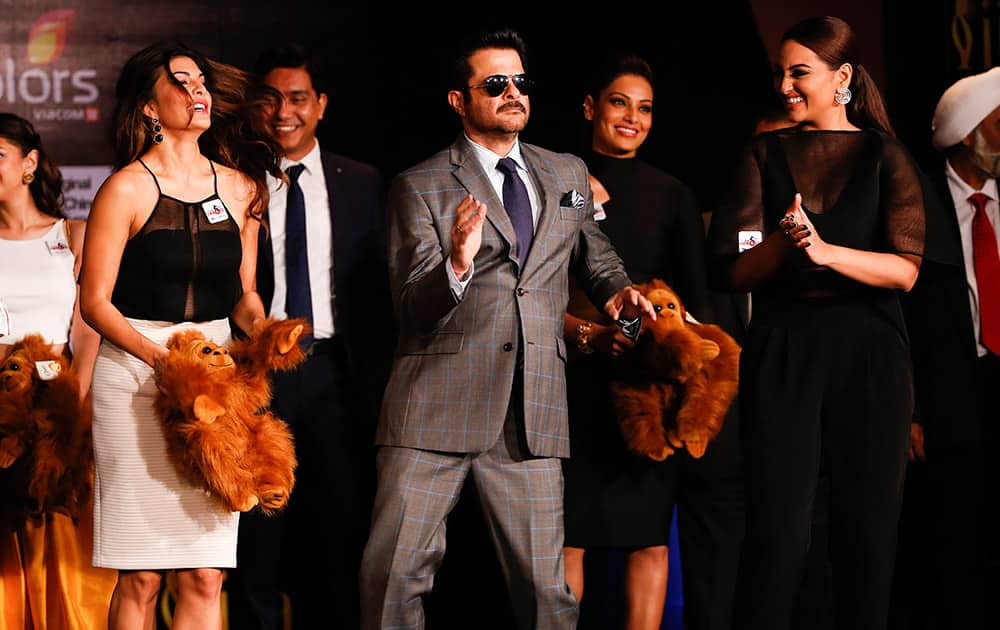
(48, 35)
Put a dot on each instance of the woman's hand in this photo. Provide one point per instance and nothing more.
(159, 353)
(610, 340)
(802, 233)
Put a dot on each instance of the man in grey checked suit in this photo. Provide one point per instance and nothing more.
(477, 390)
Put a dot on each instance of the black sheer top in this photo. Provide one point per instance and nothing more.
(860, 189)
(183, 264)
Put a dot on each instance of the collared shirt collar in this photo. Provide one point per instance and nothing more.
(488, 159)
(312, 160)
(963, 190)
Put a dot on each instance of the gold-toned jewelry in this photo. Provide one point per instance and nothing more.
(583, 334)
(27, 178)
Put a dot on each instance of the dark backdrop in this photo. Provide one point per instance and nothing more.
(388, 103)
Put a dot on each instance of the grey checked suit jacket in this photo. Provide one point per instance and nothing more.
(452, 377)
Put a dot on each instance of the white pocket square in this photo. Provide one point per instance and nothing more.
(573, 199)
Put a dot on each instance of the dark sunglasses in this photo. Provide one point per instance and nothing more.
(496, 84)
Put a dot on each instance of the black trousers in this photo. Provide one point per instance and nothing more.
(826, 386)
(312, 551)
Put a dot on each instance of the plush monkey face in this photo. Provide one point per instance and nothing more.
(16, 373)
(211, 355)
(669, 310)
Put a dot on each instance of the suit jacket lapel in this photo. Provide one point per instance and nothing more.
(548, 196)
(943, 243)
(472, 178)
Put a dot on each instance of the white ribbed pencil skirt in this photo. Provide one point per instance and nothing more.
(145, 515)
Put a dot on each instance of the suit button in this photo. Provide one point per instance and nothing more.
(520, 291)
(507, 347)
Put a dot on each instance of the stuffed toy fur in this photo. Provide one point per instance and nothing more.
(213, 404)
(674, 388)
(46, 455)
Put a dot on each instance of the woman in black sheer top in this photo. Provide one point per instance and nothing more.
(825, 226)
(171, 244)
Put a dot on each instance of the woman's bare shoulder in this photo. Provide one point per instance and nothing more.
(236, 188)
(130, 186)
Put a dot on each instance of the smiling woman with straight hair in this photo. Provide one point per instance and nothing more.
(835, 206)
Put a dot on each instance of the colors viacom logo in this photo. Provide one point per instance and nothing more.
(52, 87)
(48, 35)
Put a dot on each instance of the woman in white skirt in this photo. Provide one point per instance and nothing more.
(171, 243)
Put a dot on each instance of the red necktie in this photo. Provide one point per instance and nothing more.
(987, 262)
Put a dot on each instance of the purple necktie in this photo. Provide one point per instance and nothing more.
(518, 206)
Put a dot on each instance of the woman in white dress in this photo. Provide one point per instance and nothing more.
(46, 580)
(171, 244)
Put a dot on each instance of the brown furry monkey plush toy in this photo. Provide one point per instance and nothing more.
(673, 389)
(46, 456)
(213, 404)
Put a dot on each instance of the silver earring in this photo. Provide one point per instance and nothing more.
(843, 95)
(157, 136)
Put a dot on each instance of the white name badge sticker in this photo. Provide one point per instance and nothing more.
(215, 211)
(749, 239)
(47, 370)
(58, 247)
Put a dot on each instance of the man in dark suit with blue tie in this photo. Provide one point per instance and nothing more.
(482, 238)
(323, 259)
(953, 317)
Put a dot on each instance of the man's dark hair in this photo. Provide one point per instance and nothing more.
(293, 55)
(501, 38)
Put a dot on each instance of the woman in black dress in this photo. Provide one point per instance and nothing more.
(613, 497)
(825, 225)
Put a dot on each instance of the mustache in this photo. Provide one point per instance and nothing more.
(512, 105)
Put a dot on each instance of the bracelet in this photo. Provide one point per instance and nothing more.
(583, 333)
(631, 327)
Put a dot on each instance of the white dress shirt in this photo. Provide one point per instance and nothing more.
(319, 239)
(960, 193)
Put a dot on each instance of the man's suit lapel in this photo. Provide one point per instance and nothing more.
(548, 196)
(943, 239)
(943, 244)
(473, 179)
(339, 203)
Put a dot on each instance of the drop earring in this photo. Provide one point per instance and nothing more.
(843, 95)
(27, 178)
(157, 136)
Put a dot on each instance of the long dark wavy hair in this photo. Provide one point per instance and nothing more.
(239, 136)
(46, 189)
(833, 41)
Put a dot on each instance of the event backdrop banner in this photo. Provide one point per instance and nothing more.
(59, 62)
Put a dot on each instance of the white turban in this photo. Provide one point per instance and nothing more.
(963, 106)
